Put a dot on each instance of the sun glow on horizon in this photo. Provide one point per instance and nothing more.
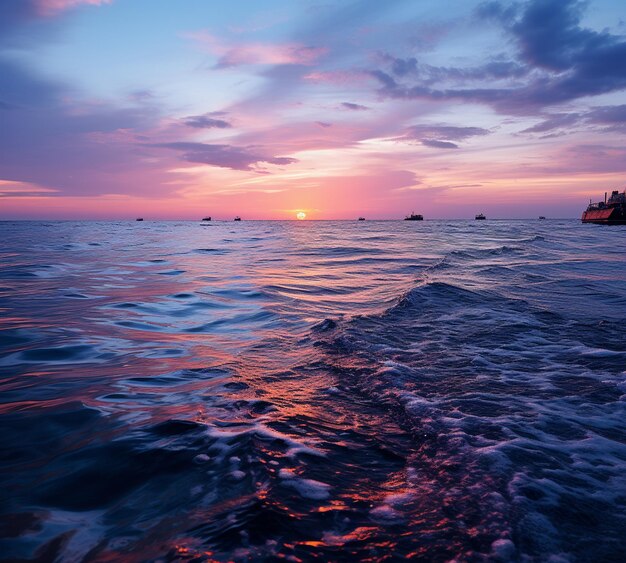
(301, 215)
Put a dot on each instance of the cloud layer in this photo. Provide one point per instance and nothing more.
(557, 61)
(217, 104)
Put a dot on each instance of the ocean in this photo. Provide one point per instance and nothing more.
(313, 390)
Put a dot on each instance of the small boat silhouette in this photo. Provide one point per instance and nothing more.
(480, 217)
(414, 217)
(541, 217)
(139, 219)
(206, 218)
(237, 218)
(361, 218)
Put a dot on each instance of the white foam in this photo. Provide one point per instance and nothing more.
(225, 439)
(308, 488)
(385, 513)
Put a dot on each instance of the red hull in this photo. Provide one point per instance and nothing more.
(610, 215)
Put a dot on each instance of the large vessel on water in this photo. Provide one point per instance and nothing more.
(480, 217)
(414, 217)
(611, 211)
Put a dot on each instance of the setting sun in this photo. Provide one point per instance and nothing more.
(301, 215)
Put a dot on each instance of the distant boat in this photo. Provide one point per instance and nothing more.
(139, 219)
(414, 217)
(480, 217)
(206, 218)
(541, 217)
(607, 212)
(361, 218)
(237, 218)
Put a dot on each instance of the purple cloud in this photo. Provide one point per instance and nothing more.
(47, 141)
(609, 115)
(560, 60)
(612, 118)
(554, 122)
(441, 136)
(206, 122)
(354, 107)
(402, 67)
(433, 143)
(223, 156)
(429, 74)
(449, 132)
(550, 37)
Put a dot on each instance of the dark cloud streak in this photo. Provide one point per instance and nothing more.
(206, 121)
(558, 61)
(441, 136)
(353, 107)
(612, 118)
(433, 143)
(223, 156)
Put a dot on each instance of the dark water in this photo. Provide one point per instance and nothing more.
(313, 391)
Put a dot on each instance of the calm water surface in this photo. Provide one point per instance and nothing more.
(177, 391)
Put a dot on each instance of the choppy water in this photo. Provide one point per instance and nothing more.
(316, 390)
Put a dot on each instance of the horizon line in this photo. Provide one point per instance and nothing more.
(144, 219)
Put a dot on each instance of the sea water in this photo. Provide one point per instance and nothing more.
(186, 391)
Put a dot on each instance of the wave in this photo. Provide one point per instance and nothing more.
(326, 390)
(510, 410)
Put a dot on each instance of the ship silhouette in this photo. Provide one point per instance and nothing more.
(607, 212)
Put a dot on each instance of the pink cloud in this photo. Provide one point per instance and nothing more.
(51, 7)
(10, 188)
(258, 53)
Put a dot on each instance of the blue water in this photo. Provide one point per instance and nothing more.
(178, 391)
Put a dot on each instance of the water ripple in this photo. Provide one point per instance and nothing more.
(339, 391)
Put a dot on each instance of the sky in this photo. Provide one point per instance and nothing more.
(113, 109)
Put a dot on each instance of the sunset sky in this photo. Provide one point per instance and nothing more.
(178, 109)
